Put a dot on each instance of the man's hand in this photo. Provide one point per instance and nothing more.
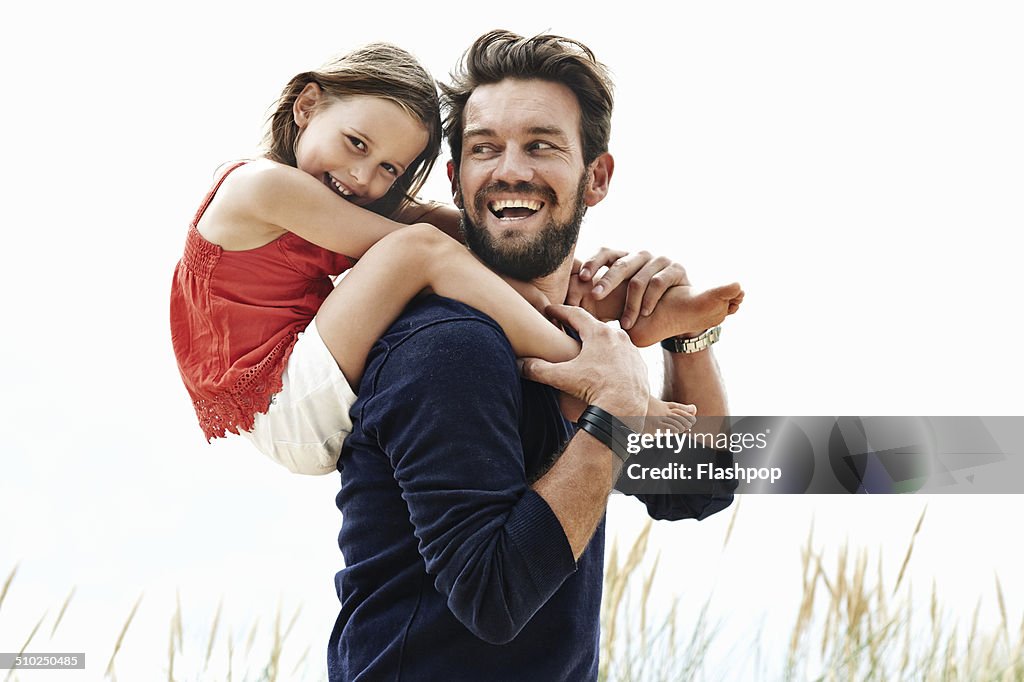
(608, 372)
(648, 279)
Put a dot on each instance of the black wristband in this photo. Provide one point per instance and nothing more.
(619, 437)
(606, 428)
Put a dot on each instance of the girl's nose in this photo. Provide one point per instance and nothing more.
(360, 175)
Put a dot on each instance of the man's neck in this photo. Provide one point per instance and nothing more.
(555, 286)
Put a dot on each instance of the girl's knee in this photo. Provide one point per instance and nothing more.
(423, 239)
(416, 249)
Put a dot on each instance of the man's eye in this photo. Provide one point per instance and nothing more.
(357, 143)
(540, 146)
(483, 149)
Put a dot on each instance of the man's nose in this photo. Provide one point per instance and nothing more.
(513, 166)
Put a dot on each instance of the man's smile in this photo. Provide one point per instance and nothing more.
(510, 203)
(514, 209)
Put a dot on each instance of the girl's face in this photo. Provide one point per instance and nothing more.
(357, 146)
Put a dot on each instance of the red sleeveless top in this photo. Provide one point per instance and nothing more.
(235, 316)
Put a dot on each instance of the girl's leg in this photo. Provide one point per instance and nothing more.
(682, 310)
(400, 266)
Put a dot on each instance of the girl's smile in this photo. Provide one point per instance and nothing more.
(358, 145)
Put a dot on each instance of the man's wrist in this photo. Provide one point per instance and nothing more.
(687, 344)
(608, 429)
(624, 408)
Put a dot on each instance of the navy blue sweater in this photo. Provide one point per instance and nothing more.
(455, 568)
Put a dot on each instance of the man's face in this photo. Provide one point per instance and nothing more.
(522, 183)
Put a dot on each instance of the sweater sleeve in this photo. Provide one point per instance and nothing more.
(445, 410)
(693, 505)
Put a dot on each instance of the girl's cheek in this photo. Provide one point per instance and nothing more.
(383, 189)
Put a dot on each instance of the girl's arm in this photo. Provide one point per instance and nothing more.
(444, 217)
(263, 199)
(372, 295)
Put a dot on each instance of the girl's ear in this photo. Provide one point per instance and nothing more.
(306, 103)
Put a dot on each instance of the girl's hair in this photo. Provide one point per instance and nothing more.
(375, 70)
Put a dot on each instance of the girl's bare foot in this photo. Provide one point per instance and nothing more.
(682, 311)
(661, 416)
(671, 417)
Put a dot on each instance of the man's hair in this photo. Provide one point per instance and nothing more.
(498, 55)
(375, 70)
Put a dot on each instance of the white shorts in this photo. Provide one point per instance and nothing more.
(308, 420)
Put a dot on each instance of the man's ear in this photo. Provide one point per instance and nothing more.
(306, 103)
(599, 177)
(453, 177)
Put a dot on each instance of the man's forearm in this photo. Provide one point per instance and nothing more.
(577, 488)
(608, 374)
(694, 379)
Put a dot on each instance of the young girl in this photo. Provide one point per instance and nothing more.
(266, 344)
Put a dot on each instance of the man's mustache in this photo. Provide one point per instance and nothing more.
(526, 188)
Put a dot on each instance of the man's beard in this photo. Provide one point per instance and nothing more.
(518, 256)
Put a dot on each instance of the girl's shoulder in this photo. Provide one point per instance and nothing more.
(245, 172)
(232, 217)
(251, 184)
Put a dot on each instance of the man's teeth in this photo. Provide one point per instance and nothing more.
(502, 204)
(514, 209)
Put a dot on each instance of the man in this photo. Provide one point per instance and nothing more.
(473, 516)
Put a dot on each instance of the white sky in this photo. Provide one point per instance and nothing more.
(856, 167)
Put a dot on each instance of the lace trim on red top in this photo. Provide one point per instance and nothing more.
(251, 394)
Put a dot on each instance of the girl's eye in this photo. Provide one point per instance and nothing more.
(357, 143)
(390, 169)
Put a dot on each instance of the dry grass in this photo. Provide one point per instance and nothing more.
(28, 640)
(260, 660)
(7, 585)
(645, 649)
(120, 640)
(869, 633)
(63, 610)
(265, 657)
(847, 626)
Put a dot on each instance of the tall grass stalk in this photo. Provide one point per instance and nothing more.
(63, 610)
(28, 640)
(120, 640)
(7, 585)
(213, 635)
